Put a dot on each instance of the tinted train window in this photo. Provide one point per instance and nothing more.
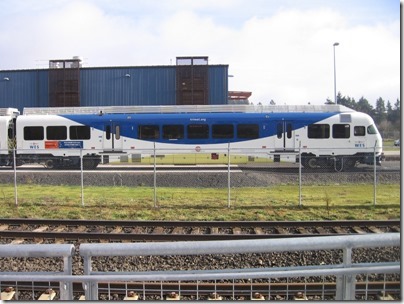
(149, 132)
(372, 129)
(33, 133)
(173, 132)
(318, 131)
(359, 131)
(289, 130)
(222, 131)
(56, 133)
(279, 130)
(198, 131)
(341, 131)
(79, 132)
(247, 131)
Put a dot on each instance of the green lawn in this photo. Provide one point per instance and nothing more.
(334, 202)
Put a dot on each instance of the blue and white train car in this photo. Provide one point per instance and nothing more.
(327, 136)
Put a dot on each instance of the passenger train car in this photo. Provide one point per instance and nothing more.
(326, 136)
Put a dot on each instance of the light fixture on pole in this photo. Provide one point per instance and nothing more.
(335, 75)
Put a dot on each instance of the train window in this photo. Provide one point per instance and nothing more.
(247, 131)
(79, 132)
(279, 130)
(117, 132)
(318, 131)
(56, 132)
(222, 131)
(108, 132)
(359, 131)
(173, 132)
(198, 131)
(33, 133)
(341, 131)
(372, 129)
(289, 130)
(149, 132)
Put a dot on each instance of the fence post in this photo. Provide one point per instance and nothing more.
(346, 283)
(374, 174)
(15, 178)
(82, 177)
(300, 173)
(228, 176)
(154, 175)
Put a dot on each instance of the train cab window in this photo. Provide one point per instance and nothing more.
(79, 132)
(372, 129)
(173, 132)
(33, 133)
(341, 131)
(249, 131)
(56, 132)
(198, 131)
(318, 131)
(149, 132)
(359, 131)
(222, 131)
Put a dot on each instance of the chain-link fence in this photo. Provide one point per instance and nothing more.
(99, 178)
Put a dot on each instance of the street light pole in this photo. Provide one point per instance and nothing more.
(335, 75)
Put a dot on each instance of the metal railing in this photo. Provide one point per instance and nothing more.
(344, 274)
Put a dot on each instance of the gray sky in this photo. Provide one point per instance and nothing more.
(278, 49)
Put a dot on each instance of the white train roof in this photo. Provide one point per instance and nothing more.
(187, 109)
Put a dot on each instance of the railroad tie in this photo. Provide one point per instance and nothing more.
(257, 297)
(300, 296)
(7, 294)
(382, 296)
(214, 297)
(173, 296)
(48, 295)
(131, 296)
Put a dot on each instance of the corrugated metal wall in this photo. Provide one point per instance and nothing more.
(24, 88)
(108, 86)
(128, 86)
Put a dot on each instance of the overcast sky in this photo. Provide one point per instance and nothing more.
(277, 49)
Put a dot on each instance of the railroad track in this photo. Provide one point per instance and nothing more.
(206, 290)
(60, 231)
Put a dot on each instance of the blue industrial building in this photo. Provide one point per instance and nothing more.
(67, 83)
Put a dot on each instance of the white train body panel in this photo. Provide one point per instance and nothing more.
(322, 135)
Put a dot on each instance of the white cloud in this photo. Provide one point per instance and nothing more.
(284, 54)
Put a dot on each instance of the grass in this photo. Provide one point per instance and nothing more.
(277, 203)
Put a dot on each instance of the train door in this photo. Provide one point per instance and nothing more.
(112, 140)
(285, 136)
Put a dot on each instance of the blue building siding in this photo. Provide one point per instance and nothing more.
(151, 85)
(25, 88)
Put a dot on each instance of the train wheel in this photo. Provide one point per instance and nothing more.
(89, 163)
(311, 163)
(50, 164)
